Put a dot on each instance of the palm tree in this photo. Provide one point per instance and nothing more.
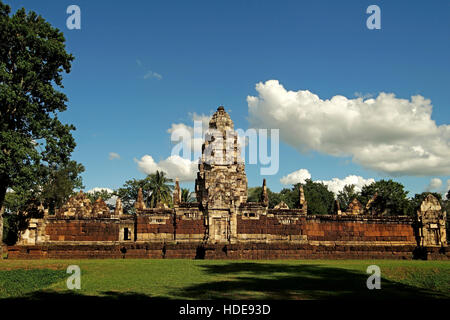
(187, 196)
(159, 189)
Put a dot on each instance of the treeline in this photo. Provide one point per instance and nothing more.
(392, 198)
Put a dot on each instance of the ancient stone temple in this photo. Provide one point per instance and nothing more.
(223, 224)
(221, 184)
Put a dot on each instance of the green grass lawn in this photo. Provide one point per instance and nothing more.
(208, 279)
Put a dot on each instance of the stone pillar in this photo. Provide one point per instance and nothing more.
(337, 207)
(177, 194)
(264, 196)
(303, 202)
(118, 210)
(140, 204)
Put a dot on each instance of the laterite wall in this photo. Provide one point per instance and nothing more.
(249, 251)
(331, 228)
(82, 230)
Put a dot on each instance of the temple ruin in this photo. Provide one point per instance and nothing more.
(223, 224)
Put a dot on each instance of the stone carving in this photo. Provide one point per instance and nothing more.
(303, 202)
(118, 210)
(432, 222)
(140, 204)
(282, 205)
(100, 207)
(177, 193)
(355, 207)
(264, 196)
(78, 205)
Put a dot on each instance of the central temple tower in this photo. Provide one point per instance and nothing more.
(221, 184)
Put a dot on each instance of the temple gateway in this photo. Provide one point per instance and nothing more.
(223, 224)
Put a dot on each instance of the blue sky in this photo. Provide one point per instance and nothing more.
(141, 66)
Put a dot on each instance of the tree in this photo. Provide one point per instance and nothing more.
(19, 208)
(290, 197)
(187, 195)
(160, 189)
(391, 197)
(32, 138)
(346, 196)
(104, 194)
(59, 185)
(320, 199)
(155, 188)
(129, 192)
(255, 195)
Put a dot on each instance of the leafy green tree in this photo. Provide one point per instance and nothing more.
(290, 197)
(346, 196)
(104, 194)
(19, 208)
(32, 138)
(320, 199)
(255, 195)
(12, 224)
(160, 191)
(391, 197)
(129, 192)
(187, 195)
(59, 185)
(155, 189)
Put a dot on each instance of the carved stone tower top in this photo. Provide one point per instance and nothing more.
(221, 181)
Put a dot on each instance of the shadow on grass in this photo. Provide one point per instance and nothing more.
(278, 281)
(255, 281)
(74, 297)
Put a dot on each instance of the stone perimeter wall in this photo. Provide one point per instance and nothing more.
(166, 227)
(358, 229)
(82, 230)
(250, 251)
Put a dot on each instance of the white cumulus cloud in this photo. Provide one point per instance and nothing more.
(152, 74)
(434, 185)
(387, 134)
(174, 166)
(191, 137)
(298, 176)
(99, 189)
(113, 155)
(336, 185)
